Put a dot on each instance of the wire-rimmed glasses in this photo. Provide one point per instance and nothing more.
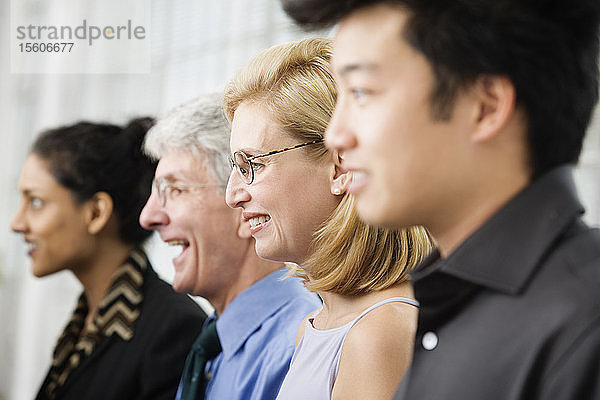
(243, 163)
(166, 190)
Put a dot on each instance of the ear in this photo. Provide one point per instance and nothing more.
(339, 178)
(99, 211)
(243, 229)
(496, 97)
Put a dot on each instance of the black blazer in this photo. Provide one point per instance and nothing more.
(149, 365)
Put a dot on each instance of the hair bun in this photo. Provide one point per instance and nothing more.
(137, 128)
(87, 158)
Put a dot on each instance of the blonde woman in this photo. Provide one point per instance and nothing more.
(293, 192)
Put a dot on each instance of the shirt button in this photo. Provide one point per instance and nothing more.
(429, 341)
(208, 375)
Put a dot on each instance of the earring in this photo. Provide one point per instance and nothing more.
(337, 191)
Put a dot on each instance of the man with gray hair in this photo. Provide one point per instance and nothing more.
(256, 313)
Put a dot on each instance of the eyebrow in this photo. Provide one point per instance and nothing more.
(173, 176)
(358, 67)
(251, 151)
(28, 191)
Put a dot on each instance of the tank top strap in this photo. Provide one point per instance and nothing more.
(406, 300)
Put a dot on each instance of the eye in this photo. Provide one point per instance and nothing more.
(36, 203)
(174, 191)
(357, 93)
(256, 166)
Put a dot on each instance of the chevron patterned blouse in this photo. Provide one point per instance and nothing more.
(117, 314)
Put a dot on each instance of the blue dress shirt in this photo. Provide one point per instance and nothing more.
(258, 333)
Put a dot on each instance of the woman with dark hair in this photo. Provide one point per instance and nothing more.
(82, 189)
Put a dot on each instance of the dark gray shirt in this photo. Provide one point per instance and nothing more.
(514, 312)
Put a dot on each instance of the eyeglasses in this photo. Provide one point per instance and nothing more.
(169, 190)
(243, 163)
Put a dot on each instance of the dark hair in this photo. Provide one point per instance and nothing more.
(548, 49)
(87, 158)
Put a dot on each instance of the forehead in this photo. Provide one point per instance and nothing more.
(178, 165)
(368, 39)
(254, 130)
(35, 174)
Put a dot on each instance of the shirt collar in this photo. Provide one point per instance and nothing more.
(120, 308)
(117, 313)
(247, 312)
(504, 252)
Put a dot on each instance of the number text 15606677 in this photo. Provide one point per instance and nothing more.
(59, 47)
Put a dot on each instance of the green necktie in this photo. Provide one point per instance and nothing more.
(206, 347)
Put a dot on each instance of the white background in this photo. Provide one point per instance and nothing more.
(196, 47)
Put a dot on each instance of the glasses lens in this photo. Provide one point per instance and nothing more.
(243, 166)
(158, 186)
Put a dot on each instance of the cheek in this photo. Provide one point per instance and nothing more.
(68, 230)
(210, 227)
(309, 202)
(49, 226)
(63, 247)
(75, 239)
(187, 215)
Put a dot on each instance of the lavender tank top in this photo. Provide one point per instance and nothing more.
(316, 360)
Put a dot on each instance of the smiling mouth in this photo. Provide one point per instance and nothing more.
(360, 180)
(31, 247)
(257, 221)
(183, 244)
(178, 242)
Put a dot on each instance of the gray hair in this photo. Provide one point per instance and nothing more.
(198, 126)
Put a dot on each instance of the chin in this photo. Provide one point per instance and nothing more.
(377, 215)
(40, 272)
(180, 286)
(370, 212)
(267, 253)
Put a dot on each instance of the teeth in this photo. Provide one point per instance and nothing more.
(255, 221)
(31, 246)
(178, 242)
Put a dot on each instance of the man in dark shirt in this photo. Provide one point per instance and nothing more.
(467, 117)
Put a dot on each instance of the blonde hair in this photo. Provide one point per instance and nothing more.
(352, 258)
(292, 82)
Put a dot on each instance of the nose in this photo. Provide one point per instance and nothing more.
(153, 216)
(18, 223)
(339, 135)
(236, 193)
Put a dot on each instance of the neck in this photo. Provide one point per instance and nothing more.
(251, 270)
(96, 277)
(494, 171)
(340, 309)
(475, 211)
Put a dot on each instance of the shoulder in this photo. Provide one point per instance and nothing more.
(567, 282)
(388, 329)
(579, 248)
(166, 314)
(583, 254)
(376, 353)
(160, 297)
(575, 373)
(275, 340)
(286, 319)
